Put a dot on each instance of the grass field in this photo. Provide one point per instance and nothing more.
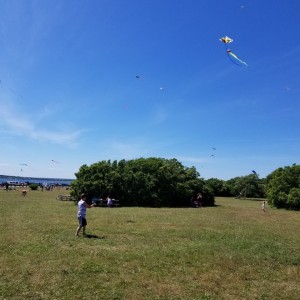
(231, 251)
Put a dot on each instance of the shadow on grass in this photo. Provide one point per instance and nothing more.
(93, 236)
(203, 207)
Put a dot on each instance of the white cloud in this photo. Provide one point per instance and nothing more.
(16, 122)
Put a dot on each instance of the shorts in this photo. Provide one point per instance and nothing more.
(82, 221)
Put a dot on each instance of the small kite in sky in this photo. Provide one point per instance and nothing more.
(254, 172)
(226, 39)
(24, 165)
(214, 148)
(288, 88)
(55, 161)
(233, 57)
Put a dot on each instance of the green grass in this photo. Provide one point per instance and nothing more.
(231, 251)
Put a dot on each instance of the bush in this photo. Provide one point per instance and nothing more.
(33, 186)
(283, 187)
(293, 200)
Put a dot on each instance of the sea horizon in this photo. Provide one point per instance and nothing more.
(30, 179)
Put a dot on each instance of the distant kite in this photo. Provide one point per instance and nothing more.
(254, 172)
(233, 57)
(23, 165)
(214, 148)
(226, 39)
(55, 161)
(287, 88)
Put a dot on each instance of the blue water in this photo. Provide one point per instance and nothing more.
(45, 181)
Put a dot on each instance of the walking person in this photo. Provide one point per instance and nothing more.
(81, 214)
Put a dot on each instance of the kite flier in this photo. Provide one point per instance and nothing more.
(81, 214)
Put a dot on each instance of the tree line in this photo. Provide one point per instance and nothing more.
(159, 182)
(281, 187)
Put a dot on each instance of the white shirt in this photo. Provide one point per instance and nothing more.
(81, 209)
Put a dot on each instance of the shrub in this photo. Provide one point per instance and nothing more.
(283, 187)
(33, 186)
(293, 200)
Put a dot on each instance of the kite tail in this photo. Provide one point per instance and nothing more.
(233, 58)
(243, 63)
(229, 56)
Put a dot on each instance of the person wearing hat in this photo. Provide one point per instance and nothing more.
(81, 214)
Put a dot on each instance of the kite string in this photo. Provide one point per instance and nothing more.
(10, 89)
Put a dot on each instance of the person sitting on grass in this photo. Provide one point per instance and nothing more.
(81, 214)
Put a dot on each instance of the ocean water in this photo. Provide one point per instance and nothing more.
(45, 181)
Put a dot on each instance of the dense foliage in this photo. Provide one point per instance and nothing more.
(283, 187)
(157, 182)
(249, 186)
(152, 182)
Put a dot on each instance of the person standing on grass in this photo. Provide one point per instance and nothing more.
(199, 199)
(82, 206)
(263, 206)
(109, 201)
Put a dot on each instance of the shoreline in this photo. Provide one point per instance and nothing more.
(34, 178)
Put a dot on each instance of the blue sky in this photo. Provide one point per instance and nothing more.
(69, 91)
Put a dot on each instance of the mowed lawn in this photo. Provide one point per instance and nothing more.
(231, 251)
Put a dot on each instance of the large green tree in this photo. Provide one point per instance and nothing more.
(142, 182)
(283, 187)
